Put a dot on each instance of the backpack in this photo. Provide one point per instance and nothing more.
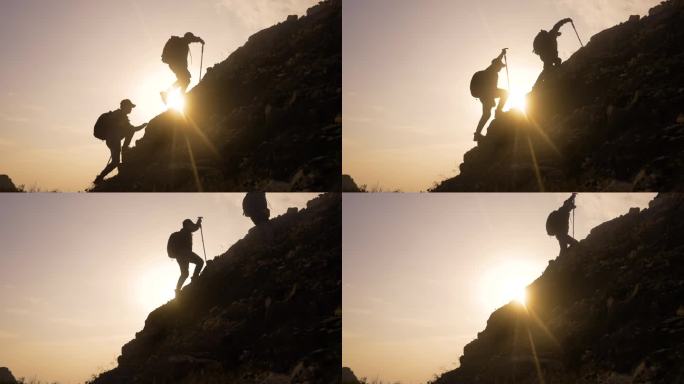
(172, 49)
(104, 125)
(552, 223)
(541, 42)
(477, 84)
(173, 244)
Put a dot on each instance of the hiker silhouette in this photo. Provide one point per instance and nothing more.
(175, 54)
(557, 224)
(112, 127)
(484, 86)
(179, 247)
(546, 46)
(255, 206)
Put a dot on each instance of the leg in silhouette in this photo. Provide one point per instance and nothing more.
(182, 77)
(565, 241)
(502, 95)
(183, 264)
(487, 105)
(115, 150)
(199, 264)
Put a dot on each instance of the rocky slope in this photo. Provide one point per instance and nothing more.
(611, 119)
(609, 311)
(6, 376)
(266, 311)
(6, 184)
(267, 118)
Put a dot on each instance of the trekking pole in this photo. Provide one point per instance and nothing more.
(508, 77)
(201, 61)
(573, 223)
(578, 36)
(203, 248)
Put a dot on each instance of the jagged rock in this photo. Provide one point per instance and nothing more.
(6, 376)
(267, 116)
(6, 184)
(266, 311)
(606, 120)
(607, 311)
(348, 377)
(349, 185)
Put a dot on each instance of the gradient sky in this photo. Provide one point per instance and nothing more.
(79, 273)
(408, 113)
(66, 62)
(422, 273)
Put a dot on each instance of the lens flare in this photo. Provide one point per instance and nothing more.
(517, 100)
(176, 100)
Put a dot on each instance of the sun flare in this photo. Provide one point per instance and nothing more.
(155, 286)
(506, 282)
(176, 100)
(517, 100)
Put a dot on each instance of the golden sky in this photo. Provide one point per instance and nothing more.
(66, 62)
(422, 273)
(408, 113)
(79, 273)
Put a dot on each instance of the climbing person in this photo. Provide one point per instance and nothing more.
(175, 54)
(484, 86)
(112, 127)
(255, 206)
(546, 46)
(557, 224)
(179, 247)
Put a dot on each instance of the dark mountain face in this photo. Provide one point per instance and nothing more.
(6, 184)
(610, 310)
(267, 118)
(610, 119)
(266, 311)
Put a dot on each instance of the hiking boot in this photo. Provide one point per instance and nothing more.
(498, 112)
(98, 180)
(178, 291)
(478, 137)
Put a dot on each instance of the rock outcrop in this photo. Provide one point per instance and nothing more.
(6, 376)
(610, 119)
(6, 184)
(348, 376)
(267, 118)
(610, 310)
(266, 311)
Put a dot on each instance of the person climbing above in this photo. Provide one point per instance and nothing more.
(112, 127)
(255, 206)
(546, 46)
(484, 86)
(557, 224)
(179, 247)
(175, 54)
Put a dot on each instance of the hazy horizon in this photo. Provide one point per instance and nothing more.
(408, 113)
(422, 273)
(65, 63)
(80, 273)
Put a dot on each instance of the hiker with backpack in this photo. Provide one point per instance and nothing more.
(557, 224)
(546, 46)
(175, 54)
(112, 127)
(179, 247)
(255, 206)
(484, 86)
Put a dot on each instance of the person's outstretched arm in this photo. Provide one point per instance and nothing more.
(197, 39)
(559, 24)
(197, 225)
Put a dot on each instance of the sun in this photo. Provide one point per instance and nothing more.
(506, 281)
(517, 99)
(176, 100)
(155, 286)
